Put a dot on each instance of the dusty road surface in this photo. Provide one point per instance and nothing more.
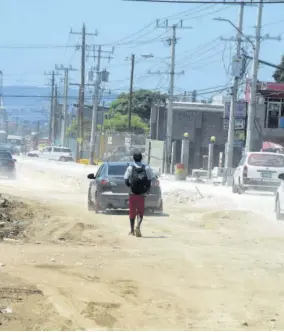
(213, 262)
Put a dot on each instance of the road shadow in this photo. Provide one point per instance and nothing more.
(125, 213)
(263, 194)
(155, 237)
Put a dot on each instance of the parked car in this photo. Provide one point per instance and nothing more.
(59, 153)
(7, 165)
(279, 199)
(107, 189)
(258, 171)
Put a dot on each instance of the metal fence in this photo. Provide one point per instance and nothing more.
(112, 146)
(120, 146)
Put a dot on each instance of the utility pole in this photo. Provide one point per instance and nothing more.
(95, 108)
(131, 91)
(172, 42)
(100, 77)
(253, 89)
(65, 108)
(234, 99)
(239, 57)
(80, 114)
(55, 115)
(51, 114)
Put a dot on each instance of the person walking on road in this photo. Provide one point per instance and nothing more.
(138, 178)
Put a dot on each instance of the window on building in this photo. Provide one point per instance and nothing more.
(273, 112)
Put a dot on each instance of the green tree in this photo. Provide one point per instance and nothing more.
(119, 122)
(142, 102)
(279, 74)
(72, 129)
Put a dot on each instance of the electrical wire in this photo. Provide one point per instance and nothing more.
(223, 59)
(202, 60)
(28, 47)
(213, 12)
(201, 50)
(176, 15)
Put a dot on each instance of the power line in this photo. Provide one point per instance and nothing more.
(231, 2)
(178, 14)
(36, 46)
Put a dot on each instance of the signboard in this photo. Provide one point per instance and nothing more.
(240, 124)
(239, 138)
(109, 140)
(240, 112)
(240, 135)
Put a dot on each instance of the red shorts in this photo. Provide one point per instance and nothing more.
(136, 206)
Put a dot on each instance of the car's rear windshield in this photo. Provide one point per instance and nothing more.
(59, 149)
(266, 160)
(66, 150)
(116, 170)
(5, 155)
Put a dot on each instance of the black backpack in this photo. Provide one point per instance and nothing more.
(139, 180)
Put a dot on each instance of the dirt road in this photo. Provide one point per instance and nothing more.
(209, 264)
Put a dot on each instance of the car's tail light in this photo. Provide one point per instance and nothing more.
(156, 183)
(245, 171)
(104, 182)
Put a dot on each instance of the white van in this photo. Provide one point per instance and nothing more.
(258, 171)
(59, 153)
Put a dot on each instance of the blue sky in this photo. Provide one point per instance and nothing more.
(203, 57)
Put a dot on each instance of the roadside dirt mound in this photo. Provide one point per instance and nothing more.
(178, 196)
(15, 217)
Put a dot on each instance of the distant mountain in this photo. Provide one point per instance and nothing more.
(32, 103)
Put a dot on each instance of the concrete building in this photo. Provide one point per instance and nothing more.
(269, 114)
(200, 121)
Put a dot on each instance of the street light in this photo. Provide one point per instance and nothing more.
(221, 19)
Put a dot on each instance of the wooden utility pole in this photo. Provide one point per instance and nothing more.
(95, 107)
(80, 113)
(65, 106)
(131, 91)
(52, 110)
(96, 97)
(55, 115)
(51, 116)
(172, 41)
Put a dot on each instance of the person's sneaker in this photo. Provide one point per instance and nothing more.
(131, 233)
(138, 232)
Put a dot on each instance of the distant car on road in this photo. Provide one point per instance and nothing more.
(10, 148)
(59, 153)
(258, 171)
(107, 189)
(7, 165)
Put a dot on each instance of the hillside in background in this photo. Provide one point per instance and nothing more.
(33, 103)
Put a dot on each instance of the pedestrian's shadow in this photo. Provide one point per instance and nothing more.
(155, 237)
(125, 213)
